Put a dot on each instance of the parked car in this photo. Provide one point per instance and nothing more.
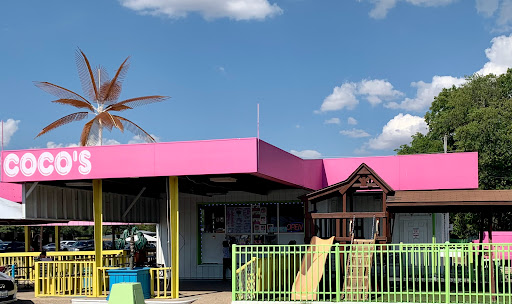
(107, 245)
(12, 246)
(64, 245)
(8, 289)
(82, 246)
(49, 247)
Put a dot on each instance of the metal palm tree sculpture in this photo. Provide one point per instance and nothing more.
(104, 92)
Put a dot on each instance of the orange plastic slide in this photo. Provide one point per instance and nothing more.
(312, 269)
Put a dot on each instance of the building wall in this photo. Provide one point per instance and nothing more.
(57, 203)
(189, 268)
(410, 228)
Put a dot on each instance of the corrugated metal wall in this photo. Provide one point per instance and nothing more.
(57, 203)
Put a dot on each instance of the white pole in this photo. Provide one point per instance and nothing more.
(100, 132)
(258, 121)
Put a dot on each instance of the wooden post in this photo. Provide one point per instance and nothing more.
(344, 224)
(41, 238)
(175, 236)
(57, 238)
(98, 230)
(307, 219)
(27, 238)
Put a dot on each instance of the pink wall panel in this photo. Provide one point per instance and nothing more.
(284, 166)
(11, 192)
(413, 172)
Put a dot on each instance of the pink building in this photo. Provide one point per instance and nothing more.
(245, 190)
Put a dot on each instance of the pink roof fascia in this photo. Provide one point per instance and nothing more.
(86, 223)
(412, 172)
(281, 165)
(11, 192)
(233, 156)
(140, 160)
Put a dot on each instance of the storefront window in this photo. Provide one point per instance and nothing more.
(291, 218)
(266, 223)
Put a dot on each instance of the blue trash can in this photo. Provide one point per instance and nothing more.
(127, 275)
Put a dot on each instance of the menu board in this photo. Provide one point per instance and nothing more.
(238, 219)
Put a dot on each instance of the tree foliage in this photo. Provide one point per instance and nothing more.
(476, 116)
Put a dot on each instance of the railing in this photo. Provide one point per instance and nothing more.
(417, 273)
(25, 261)
(161, 282)
(81, 278)
(64, 278)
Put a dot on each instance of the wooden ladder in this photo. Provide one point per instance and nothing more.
(358, 268)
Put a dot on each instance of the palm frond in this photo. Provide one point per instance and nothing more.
(75, 103)
(112, 90)
(59, 91)
(86, 75)
(106, 120)
(135, 129)
(62, 121)
(88, 138)
(135, 102)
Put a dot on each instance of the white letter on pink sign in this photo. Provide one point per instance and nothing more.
(11, 158)
(85, 165)
(28, 158)
(63, 156)
(45, 156)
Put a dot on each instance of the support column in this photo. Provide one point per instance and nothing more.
(433, 228)
(175, 236)
(27, 238)
(57, 238)
(98, 229)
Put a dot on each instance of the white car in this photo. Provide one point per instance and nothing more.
(64, 245)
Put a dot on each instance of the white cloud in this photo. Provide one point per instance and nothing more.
(138, 140)
(10, 126)
(297, 126)
(354, 133)
(377, 90)
(306, 154)
(209, 9)
(487, 7)
(396, 132)
(341, 97)
(109, 142)
(344, 96)
(425, 93)
(334, 120)
(499, 55)
(382, 7)
(352, 121)
(52, 145)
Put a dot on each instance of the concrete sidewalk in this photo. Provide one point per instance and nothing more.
(206, 292)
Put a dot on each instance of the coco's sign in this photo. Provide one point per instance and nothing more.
(47, 163)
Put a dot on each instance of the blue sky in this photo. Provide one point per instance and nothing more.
(333, 78)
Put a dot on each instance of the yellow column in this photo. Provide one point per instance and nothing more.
(57, 238)
(27, 238)
(98, 231)
(175, 237)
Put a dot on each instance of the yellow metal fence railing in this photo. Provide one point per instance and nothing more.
(161, 282)
(65, 278)
(74, 273)
(25, 261)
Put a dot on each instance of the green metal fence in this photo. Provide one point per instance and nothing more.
(411, 273)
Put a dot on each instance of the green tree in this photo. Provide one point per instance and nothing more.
(476, 116)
